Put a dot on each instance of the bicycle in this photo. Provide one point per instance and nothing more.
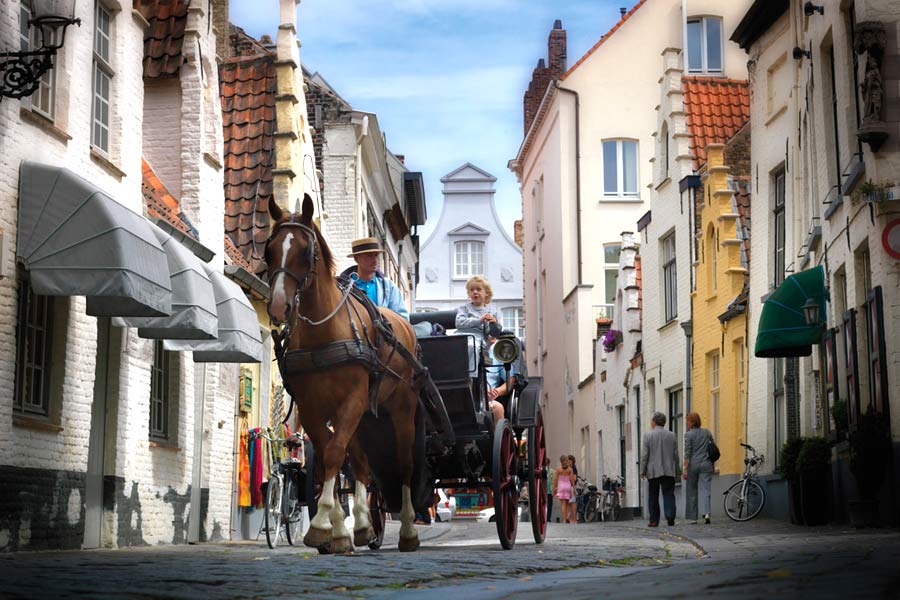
(283, 505)
(591, 500)
(745, 498)
(612, 503)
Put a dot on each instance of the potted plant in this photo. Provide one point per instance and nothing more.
(870, 448)
(813, 467)
(611, 340)
(788, 467)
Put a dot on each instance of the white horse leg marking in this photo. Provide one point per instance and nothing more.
(278, 284)
(322, 520)
(339, 528)
(360, 508)
(407, 516)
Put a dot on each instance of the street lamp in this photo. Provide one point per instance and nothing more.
(21, 72)
(811, 312)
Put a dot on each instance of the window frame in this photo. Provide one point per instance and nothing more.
(30, 39)
(714, 374)
(160, 394)
(519, 316)
(779, 226)
(675, 421)
(620, 418)
(469, 270)
(27, 331)
(101, 71)
(704, 45)
(620, 168)
(779, 400)
(670, 278)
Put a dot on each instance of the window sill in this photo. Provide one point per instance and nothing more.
(712, 297)
(107, 165)
(165, 446)
(36, 424)
(777, 113)
(662, 183)
(624, 199)
(667, 324)
(47, 125)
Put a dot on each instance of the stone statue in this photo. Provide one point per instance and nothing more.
(870, 40)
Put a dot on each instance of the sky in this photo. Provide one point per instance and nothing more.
(446, 78)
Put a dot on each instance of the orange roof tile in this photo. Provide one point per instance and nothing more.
(164, 37)
(233, 256)
(247, 86)
(716, 109)
(605, 37)
(158, 201)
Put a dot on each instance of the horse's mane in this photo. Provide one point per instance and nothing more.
(324, 250)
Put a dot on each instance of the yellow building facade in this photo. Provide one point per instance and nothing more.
(720, 357)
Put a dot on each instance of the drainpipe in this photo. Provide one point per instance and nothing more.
(197, 475)
(577, 172)
(688, 327)
(537, 247)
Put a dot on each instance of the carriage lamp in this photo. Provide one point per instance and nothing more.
(506, 350)
(21, 72)
(811, 311)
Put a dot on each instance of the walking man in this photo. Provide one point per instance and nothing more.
(659, 455)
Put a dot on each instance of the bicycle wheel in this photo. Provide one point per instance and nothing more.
(744, 503)
(292, 512)
(614, 510)
(273, 510)
(591, 510)
(606, 510)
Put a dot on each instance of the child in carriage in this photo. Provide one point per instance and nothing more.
(471, 316)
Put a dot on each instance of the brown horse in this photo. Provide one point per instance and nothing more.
(316, 312)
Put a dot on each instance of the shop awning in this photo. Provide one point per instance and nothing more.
(783, 330)
(193, 299)
(239, 337)
(75, 240)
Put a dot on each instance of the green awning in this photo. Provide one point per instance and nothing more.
(783, 330)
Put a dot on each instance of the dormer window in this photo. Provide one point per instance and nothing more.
(468, 259)
(704, 45)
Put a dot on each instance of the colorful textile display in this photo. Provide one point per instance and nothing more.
(244, 465)
(256, 470)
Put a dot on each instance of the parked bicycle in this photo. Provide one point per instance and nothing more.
(746, 497)
(591, 500)
(612, 500)
(284, 495)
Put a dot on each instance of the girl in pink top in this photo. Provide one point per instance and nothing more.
(565, 482)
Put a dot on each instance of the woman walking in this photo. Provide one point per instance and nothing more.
(576, 508)
(565, 480)
(698, 469)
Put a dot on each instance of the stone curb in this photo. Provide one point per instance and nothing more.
(702, 553)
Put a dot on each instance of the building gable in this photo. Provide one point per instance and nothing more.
(469, 229)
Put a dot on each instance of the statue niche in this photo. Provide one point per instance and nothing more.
(871, 40)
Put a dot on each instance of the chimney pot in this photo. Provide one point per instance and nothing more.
(622, 11)
(541, 64)
(557, 24)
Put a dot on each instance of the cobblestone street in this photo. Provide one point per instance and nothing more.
(464, 559)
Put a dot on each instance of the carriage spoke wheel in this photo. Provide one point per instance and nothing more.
(537, 479)
(505, 483)
(378, 516)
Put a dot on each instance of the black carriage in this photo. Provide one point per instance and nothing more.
(507, 456)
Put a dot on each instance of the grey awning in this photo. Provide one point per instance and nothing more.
(239, 338)
(193, 299)
(77, 241)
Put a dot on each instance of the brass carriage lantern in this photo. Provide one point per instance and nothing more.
(21, 72)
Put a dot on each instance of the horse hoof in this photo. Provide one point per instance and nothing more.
(341, 545)
(362, 537)
(325, 548)
(408, 544)
(316, 538)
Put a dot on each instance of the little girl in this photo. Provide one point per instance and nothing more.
(565, 480)
(471, 316)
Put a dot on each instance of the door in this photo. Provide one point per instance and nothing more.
(93, 496)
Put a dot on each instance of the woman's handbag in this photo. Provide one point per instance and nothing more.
(712, 451)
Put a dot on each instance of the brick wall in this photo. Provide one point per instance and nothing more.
(544, 74)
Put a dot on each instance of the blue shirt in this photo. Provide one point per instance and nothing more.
(369, 287)
(496, 373)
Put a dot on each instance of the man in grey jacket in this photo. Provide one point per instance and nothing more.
(659, 456)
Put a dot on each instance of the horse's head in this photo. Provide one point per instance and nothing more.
(294, 252)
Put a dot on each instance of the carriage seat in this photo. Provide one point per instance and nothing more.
(450, 358)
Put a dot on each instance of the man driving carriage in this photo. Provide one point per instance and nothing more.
(367, 277)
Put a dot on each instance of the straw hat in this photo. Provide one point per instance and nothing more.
(364, 246)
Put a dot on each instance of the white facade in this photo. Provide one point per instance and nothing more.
(469, 239)
(87, 474)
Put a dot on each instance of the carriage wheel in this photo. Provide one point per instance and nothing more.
(378, 516)
(505, 482)
(537, 479)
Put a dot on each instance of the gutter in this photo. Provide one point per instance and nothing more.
(577, 171)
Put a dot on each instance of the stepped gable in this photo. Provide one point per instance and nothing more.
(164, 38)
(716, 109)
(247, 88)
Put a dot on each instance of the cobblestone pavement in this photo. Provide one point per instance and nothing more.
(620, 560)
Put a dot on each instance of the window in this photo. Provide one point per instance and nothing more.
(34, 328)
(831, 100)
(102, 78)
(43, 99)
(620, 414)
(713, 260)
(664, 149)
(704, 40)
(620, 168)
(878, 382)
(713, 370)
(741, 377)
(780, 406)
(468, 259)
(676, 415)
(851, 368)
(611, 254)
(670, 278)
(514, 320)
(159, 392)
(778, 210)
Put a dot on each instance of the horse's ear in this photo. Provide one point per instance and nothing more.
(308, 209)
(275, 210)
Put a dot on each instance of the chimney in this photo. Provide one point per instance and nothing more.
(266, 42)
(545, 72)
(623, 11)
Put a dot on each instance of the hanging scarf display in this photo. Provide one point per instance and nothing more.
(244, 465)
(256, 469)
